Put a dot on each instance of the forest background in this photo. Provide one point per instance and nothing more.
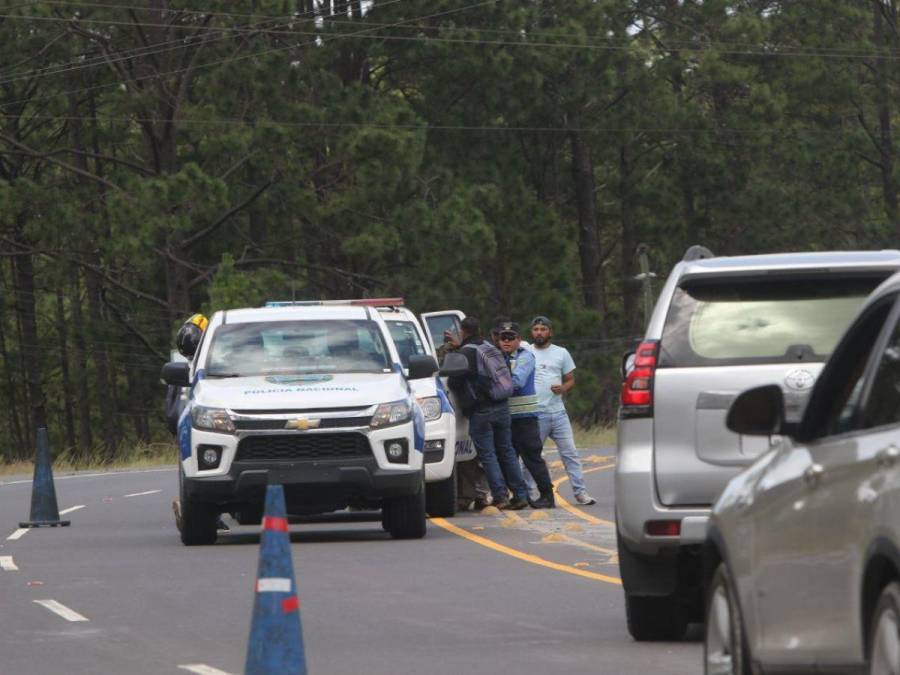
(162, 157)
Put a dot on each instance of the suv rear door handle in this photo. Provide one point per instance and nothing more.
(812, 475)
(888, 456)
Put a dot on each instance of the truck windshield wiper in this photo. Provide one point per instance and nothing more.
(210, 374)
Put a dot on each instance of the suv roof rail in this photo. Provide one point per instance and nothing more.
(697, 252)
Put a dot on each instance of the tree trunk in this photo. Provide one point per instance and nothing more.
(31, 348)
(15, 428)
(886, 40)
(79, 372)
(62, 333)
(104, 385)
(630, 286)
(588, 241)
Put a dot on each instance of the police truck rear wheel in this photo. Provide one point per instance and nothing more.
(404, 517)
(440, 497)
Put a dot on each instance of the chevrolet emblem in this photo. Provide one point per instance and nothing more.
(302, 424)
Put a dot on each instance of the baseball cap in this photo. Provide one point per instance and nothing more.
(506, 327)
(541, 321)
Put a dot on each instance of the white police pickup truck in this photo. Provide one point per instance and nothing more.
(309, 395)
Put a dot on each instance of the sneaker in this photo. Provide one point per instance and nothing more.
(502, 504)
(585, 499)
(517, 504)
(545, 502)
(482, 503)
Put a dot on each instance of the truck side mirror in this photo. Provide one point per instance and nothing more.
(455, 365)
(177, 373)
(422, 365)
(757, 412)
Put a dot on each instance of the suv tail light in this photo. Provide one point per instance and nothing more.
(637, 390)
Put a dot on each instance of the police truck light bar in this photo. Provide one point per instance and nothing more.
(369, 302)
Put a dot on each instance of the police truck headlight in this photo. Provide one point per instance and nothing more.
(388, 414)
(212, 419)
(431, 407)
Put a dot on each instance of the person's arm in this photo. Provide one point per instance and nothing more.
(568, 378)
(524, 368)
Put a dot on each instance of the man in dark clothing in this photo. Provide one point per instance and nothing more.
(523, 409)
(489, 425)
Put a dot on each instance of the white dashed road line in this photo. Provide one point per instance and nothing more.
(8, 564)
(202, 669)
(18, 534)
(70, 509)
(141, 494)
(61, 610)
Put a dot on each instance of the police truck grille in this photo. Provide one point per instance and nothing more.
(292, 447)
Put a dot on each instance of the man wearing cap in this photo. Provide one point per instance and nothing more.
(555, 377)
(523, 410)
(489, 424)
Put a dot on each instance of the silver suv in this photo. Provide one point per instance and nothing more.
(720, 326)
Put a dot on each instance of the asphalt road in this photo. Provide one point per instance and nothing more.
(532, 592)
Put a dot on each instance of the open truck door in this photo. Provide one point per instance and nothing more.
(435, 324)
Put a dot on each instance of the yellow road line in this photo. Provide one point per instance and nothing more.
(578, 512)
(521, 555)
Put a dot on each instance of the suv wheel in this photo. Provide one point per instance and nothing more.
(652, 619)
(404, 517)
(198, 521)
(725, 650)
(884, 638)
(440, 497)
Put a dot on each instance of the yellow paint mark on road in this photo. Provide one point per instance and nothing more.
(490, 511)
(478, 528)
(553, 537)
(582, 564)
(578, 512)
(521, 555)
(539, 515)
(573, 527)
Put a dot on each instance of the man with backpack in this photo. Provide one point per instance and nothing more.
(483, 395)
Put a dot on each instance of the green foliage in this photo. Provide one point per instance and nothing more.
(259, 150)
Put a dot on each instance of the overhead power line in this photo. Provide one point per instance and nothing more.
(151, 49)
(234, 59)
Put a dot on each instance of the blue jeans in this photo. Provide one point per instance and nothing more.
(556, 426)
(489, 429)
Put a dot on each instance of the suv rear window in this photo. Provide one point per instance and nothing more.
(732, 322)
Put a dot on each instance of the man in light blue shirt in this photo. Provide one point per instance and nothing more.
(555, 376)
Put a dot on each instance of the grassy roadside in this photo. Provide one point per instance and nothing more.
(138, 457)
(592, 437)
(160, 454)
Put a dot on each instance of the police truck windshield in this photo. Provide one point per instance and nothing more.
(282, 347)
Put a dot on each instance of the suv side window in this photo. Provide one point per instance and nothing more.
(834, 404)
(883, 403)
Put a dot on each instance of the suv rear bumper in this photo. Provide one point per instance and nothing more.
(311, 483)
(636, 498)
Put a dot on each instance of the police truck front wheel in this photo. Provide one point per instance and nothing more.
(198, 520)
(404, 517)
(440, 497)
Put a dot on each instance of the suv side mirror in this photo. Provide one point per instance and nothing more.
(177, 373)
(757, 412)
(422, 365)
(455, 365)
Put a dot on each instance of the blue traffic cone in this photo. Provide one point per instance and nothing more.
(276, 636)
(44, 511)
